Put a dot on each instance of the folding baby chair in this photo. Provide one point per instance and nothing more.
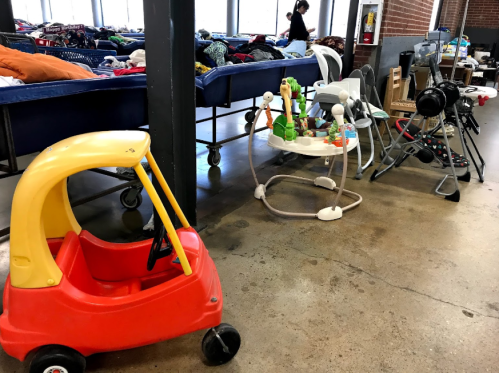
(374, 111)
(423, 145)
(327, 92)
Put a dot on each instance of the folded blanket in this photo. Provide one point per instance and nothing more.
(37, 68)
(296, 46)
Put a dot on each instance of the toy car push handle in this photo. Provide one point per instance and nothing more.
(172, 234)
(164, 185)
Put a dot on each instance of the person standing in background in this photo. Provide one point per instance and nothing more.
(288, 16)
(297, 30)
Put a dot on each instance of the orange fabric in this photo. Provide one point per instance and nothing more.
(37, 68)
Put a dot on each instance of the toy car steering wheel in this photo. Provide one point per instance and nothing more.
(157, 251)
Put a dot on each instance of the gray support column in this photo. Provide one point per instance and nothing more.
(97, 12)
(46, 10)
(351, 24)
(171, 98)
(232, 24)
(6, 17)
(325, 15)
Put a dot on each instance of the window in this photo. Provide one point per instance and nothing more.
(211, 15)
(436, 5)
(123, 13)
(257, 16)
(115, 13)
(28, 10)
(73, 12)
(340, 18)
(311, 18)
(136, 14)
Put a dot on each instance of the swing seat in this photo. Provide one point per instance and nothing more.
(440, 150)
(436, 146)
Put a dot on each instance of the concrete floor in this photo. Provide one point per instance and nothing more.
(406, 282)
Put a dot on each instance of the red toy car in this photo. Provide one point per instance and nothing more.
(70, 294)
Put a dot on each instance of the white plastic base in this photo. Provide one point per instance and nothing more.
(260, 191)
(483, 91)
(313, 146)
(328, 214)
(325, 182)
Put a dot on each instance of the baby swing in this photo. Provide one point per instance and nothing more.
(308, 136)
(423, 145)
(462, 111)
(327, 91)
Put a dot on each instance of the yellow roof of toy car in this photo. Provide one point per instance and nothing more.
(41, 208)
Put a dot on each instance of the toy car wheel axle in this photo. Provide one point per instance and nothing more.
(57, 359)
(220, 344)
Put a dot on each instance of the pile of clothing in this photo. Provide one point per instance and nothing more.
(136, 64)
(17, 67)
(260, 50)
(71, 39)
(221, 53)
(334, 42)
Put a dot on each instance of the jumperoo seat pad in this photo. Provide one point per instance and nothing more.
(438, 148)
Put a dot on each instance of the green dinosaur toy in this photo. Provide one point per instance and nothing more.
(333, 131)
(302, 101)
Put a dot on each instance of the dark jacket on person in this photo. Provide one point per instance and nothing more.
(297, 30)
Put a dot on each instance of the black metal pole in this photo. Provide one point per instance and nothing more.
(6, 17)
(351, 24)
(169, 27)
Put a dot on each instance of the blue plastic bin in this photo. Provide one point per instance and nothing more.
(90, 57)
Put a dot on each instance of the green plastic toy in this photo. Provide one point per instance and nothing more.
(302, 101)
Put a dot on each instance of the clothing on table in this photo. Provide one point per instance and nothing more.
(83, 66)
(216, 51)
(38, 68)
(247, 48)
(334, 42)
(137, 58)
(258, 39)
(288, 56)
(130, 71)
(210, 62)
(116, 40)
(232, 58)
(309, 52)
(296, 46)
(281, 43)
(297, 30)
(260, 55)
(245, 57)
(8, 81)
(201, 69)
(113, 62)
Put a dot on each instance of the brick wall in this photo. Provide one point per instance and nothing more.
(406, 17)
(452, 14)
(482, 13)
(400, 18)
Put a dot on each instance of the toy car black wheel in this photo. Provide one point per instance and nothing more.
(220, 344)
(214, 157)
(130, 204)
(249, 116)
(57, 359)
